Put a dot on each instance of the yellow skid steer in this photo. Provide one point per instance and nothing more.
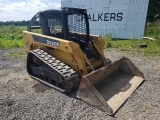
(62, 54)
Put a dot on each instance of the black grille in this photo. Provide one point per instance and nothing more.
(76, 23)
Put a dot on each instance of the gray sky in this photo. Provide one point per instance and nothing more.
(17, 10)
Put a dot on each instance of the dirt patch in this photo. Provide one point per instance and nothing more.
(24, 98)
(39, 87)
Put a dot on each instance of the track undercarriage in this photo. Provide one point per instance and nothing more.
(51, 71)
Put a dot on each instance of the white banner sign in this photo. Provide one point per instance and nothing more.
(110, 14)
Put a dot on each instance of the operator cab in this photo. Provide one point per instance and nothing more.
(67, 23)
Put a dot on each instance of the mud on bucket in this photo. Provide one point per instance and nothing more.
(109, 87)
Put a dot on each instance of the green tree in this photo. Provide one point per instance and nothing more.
(153, 10)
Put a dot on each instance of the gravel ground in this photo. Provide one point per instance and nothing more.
(22, 98)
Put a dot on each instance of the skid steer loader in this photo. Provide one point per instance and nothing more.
(65, 56)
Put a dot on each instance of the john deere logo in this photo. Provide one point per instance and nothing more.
(46, 40)
(51, 42)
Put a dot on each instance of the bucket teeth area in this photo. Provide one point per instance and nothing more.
(109, 87)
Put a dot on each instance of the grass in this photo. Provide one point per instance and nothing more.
(11, 43)
(18, 54)
(11, 36)
(153, 46)
(153, 30)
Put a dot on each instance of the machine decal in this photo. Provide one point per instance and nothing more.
(46, 40)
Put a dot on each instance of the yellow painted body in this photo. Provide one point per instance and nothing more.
(69, 52)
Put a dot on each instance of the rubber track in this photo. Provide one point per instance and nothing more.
(70, 77)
